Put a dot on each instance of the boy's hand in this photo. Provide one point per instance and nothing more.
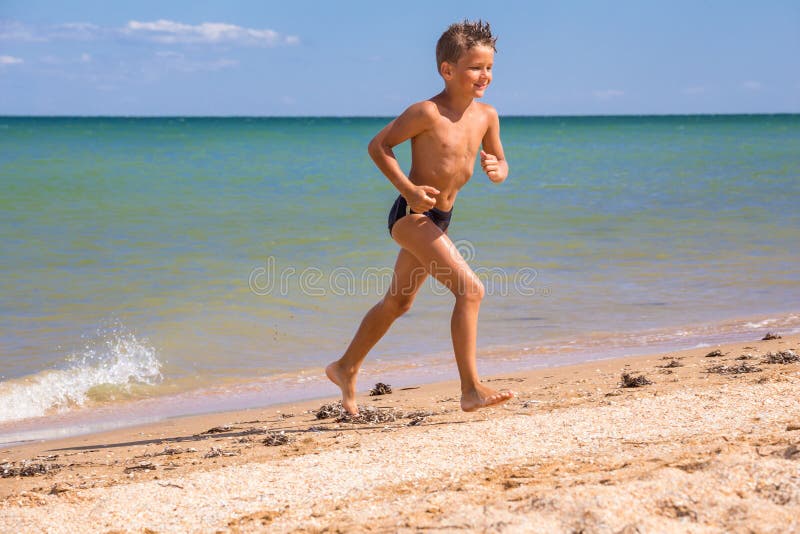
(421, 198)
(491, 166)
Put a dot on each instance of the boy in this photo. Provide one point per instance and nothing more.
(446, 132)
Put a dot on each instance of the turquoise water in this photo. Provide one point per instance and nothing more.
(148, 257)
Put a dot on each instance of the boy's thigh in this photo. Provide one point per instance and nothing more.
(433, 249)
(408, 276)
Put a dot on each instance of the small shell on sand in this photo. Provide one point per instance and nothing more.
(214, 452)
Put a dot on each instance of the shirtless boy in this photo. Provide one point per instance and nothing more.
(446, 132)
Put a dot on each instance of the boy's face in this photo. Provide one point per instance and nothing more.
(472, 73)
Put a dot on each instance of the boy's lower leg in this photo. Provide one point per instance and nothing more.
(464, 330)
(343, 371)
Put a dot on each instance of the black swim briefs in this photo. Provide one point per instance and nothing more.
(400, 209)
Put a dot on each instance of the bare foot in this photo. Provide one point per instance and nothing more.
(481, 397)
(347, 383)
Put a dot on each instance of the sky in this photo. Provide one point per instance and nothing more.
(369, 58)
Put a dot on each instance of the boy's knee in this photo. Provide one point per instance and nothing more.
(397, 305)
(472, 290)
(478, 290)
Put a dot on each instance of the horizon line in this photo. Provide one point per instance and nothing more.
(514, 115)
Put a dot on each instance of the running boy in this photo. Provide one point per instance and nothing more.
(446, 132)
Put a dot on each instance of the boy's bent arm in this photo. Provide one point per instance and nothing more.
(493, 159)
(412, 122)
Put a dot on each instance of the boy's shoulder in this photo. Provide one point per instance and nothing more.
(487, 109)
(423, 109)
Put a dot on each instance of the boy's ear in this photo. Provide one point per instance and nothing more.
(446, 70)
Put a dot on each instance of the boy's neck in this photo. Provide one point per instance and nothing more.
(456, 102)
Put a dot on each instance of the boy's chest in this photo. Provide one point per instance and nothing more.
(457, 136)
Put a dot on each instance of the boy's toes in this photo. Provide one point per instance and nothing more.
(500, 396)
(475, 401)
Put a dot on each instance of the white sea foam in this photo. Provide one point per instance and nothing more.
(118, 359)
(760, 324)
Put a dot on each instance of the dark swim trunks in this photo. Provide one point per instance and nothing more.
(400, 209)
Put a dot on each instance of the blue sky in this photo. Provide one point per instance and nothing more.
(373, 58)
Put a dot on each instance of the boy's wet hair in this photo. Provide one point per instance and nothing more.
(460, 37)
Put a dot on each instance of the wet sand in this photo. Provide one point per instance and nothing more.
(712, 444)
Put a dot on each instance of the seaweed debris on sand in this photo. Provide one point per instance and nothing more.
(629, 381)
(380, 389)
(783, 357)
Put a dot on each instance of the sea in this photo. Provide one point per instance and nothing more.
(154, 267)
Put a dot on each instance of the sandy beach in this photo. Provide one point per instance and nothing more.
(711, 444)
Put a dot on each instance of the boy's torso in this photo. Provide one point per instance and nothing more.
(444, 155)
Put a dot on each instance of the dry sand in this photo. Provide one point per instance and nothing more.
(695, 451)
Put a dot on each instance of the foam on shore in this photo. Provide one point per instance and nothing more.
(105, 369)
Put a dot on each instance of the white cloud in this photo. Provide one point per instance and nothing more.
(79, 31)
(697, 90)
(171, 32)
(10, 60)
(752, 85)
(85, 58)
(86, 27)
(11, 30)
(159, 31)
(608, 94)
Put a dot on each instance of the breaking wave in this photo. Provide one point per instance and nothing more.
(103, 370)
